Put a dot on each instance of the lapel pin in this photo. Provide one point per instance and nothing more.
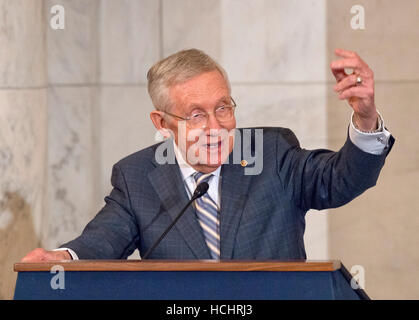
(243, 163)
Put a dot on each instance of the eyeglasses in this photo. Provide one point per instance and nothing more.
(199, 118)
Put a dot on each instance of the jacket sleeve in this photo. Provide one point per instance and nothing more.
(321, 179)
(113, 233)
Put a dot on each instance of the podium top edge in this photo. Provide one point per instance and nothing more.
(178, 265)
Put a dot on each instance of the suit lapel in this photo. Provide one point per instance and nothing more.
(167, 181)
(235, 186)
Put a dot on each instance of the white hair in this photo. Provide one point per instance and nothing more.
(175, 69)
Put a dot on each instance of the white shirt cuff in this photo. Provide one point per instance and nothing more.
(71, 252)
(374, 143)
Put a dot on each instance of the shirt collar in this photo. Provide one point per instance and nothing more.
(185, 168)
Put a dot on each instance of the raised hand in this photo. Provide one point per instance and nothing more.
(357, 88)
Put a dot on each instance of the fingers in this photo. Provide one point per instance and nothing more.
(40, 254)
(339, 74)
(35, 255)
(360, 96)
(346, 86)
(350, 60)
(359, 92)
(346, 63)
(345, 53)
(359, 67)
(338, 67)
(345, 83)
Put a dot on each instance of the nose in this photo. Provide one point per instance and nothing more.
(212, 123)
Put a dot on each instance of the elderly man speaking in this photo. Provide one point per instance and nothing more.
(240, 216)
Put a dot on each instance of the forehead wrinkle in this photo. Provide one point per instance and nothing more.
(201, 90)
(202, 100)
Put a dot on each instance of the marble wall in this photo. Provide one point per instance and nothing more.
(23, 134)
(124, 102)
(73, 109)
(378, 230)
(74, 101)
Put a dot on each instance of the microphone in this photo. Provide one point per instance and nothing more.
(200, 190)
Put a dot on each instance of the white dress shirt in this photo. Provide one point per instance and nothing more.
(374, 143)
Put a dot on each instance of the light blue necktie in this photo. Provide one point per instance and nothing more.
(207, 212)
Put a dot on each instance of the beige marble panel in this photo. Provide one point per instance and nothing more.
(129, 39)
(72, 162)
(73, 55)
(378, 230)
(274, 41)
(389, 43)
(22, 32)
(126, 126)
(23, 143)
(192, 24)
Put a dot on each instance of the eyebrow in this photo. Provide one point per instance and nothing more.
(192, 106)
(197, 105)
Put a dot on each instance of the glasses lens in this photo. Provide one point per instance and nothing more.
(224, 113)
(197, 120)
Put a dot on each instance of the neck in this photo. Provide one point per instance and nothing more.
(204, 169)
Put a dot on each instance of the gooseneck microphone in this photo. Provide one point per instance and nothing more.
(200, 190)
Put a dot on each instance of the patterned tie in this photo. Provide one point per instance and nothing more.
(207, 212)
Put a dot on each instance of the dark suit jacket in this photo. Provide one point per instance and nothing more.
(261, 217)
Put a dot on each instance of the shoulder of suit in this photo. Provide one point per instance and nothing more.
(273, 134)
(142, 158)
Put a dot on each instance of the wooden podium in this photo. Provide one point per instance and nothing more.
(185, 280)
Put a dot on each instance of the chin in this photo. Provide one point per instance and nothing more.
(215, 159)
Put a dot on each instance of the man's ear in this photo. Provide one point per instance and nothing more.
(160, 123)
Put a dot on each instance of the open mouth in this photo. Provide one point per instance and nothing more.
(214, 145)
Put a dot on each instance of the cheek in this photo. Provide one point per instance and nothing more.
(179, 133)
(231, 125)
(175, 137)
(189, 138)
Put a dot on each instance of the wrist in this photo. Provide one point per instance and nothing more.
(66, 255)
(370, 124)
